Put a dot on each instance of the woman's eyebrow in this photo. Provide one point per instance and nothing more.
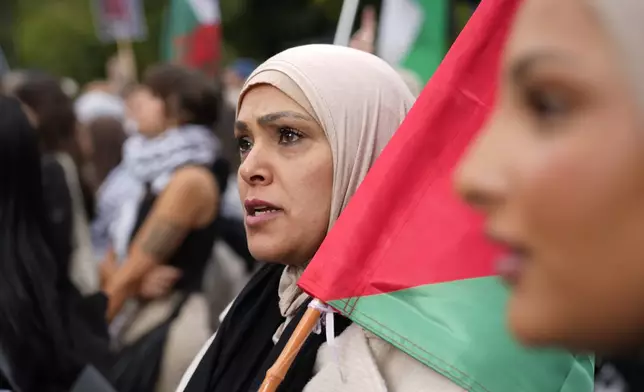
(272, 117)
(241, 126)
(520, 70)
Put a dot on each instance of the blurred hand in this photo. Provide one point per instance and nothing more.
(108, 268)
(121, 70)
(364, 39)
(159, 282)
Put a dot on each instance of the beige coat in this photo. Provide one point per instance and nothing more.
(368, 364)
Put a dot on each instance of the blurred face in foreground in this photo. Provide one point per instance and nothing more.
(285, 178)
(558, 173)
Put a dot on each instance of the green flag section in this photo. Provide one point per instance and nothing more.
(408, 261)
(192, 35)
(463, 343)
(413, 34)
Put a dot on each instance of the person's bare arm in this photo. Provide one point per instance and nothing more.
(188, 202)
(108, 267)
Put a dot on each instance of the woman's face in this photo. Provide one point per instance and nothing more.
(148, 111)
(559, 174)
(285, 178)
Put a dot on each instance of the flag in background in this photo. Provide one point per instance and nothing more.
(407, 260)
(193, 34)
(119, 20)
(414, 34)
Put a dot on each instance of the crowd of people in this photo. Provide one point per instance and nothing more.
(133, 175)
(133, 214)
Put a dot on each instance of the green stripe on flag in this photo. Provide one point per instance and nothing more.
(180, 22)
(427, 52)
(458, 329)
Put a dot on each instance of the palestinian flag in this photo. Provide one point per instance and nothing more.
(408, 261)
(193, 34)
(414, 34)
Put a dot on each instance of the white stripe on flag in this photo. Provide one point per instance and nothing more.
(206, 11)
(400, 24)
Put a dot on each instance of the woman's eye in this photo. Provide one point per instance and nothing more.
(244, 144)
(547, 105)
(289, 135)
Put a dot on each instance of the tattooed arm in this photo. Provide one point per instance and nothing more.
(189, 201)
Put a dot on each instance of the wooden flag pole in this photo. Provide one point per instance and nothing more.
(275, 375)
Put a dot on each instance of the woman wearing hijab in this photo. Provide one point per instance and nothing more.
(310, 123)
(558, 173)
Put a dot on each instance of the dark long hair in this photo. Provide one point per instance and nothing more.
(57, 127)
(107, 136)
(33, 336)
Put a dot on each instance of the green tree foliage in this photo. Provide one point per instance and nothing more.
(59, 35)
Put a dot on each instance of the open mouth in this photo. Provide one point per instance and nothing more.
(261, 210)
(511, 266)
(258, 211)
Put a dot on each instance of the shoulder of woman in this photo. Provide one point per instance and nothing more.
(193, 189)
(194, 181)
(369, 361)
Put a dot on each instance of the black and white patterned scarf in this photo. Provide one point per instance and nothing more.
(152, 161)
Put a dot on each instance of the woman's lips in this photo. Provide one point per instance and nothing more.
(510, 267)
(259, 212)
(261, 218)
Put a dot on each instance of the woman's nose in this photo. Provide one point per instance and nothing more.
(254, 169)
(480, 180)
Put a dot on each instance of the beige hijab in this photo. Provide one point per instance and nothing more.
(359, 101)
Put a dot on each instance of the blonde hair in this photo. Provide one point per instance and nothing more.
(622, 21)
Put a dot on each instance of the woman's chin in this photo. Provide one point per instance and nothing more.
(531, 324)
(266, 250)
(538, 325)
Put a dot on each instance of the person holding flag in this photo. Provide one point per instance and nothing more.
(305, 149)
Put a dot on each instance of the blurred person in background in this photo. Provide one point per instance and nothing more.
(364, 39)
(107, 135)
(103, 119)
(48, 332)
(114, 185)
(11, 80)
(71, 203)
(235, 76)
(558, 173)
(163, 235)
(97, 101)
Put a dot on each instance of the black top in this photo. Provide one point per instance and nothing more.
(195, 251)
(243, 349)
(58, 205)
(82, 317)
